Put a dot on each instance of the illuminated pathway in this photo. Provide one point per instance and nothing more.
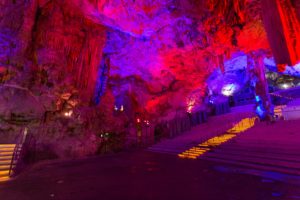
(201, 133)
(266, 147)
(147, 175)
(195, 152)
(6, 154)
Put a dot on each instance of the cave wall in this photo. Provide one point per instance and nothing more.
(152, 56)
(68, 44)
(50, 55)
(166, 51)
(162, 51)
(55, 37)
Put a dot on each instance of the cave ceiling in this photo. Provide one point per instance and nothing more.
(160, 52)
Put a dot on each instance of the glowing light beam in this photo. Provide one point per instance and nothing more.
(195, 152)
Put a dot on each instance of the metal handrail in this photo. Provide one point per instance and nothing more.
(17, 150)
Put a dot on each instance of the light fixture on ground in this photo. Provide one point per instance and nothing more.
(228, 89)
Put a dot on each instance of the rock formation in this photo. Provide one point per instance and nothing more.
(85, 59)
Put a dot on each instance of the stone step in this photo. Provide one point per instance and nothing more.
(7, 149)
(4, 173)
(9, 153)
(254, 166)
(6, 155)
(168, 149)
(182, 145)
(164, 151)
(283, 155)
(246, 143)
(3, 158)
(5, 162)
(254, 160)
(7, 146)
(261, 150)
(4, 179)
(5, 167)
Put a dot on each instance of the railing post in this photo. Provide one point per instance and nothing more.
(17, 151)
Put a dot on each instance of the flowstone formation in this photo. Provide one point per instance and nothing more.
(88, 68)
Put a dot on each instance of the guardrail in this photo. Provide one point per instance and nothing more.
(18, 151)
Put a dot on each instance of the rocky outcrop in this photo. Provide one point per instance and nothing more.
(131, 58)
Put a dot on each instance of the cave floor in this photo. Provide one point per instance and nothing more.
(141, 175)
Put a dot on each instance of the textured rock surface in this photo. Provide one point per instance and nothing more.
(162, 50)
(148, 58)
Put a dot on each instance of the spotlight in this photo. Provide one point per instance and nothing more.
(257, 98)
(285, 86)
(68, 113)
(229, 89)
(190, 105)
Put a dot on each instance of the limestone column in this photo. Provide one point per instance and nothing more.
(261, 88)
(282, 25)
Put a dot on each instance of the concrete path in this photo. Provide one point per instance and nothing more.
(141, 176)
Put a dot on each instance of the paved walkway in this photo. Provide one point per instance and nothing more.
(261, 163)
(141, 176)
(274, 147)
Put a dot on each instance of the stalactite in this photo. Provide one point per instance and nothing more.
(103, 75)
(230, 10)
(296, 4)
(283, 29)
(76, 44)
(291, 29)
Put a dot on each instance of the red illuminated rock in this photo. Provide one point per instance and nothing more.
(154, 56)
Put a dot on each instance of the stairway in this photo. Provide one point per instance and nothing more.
(10, 155)
(272, 148)
(6, 156)
(266, 148)
(263, 157)
(196, 135)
